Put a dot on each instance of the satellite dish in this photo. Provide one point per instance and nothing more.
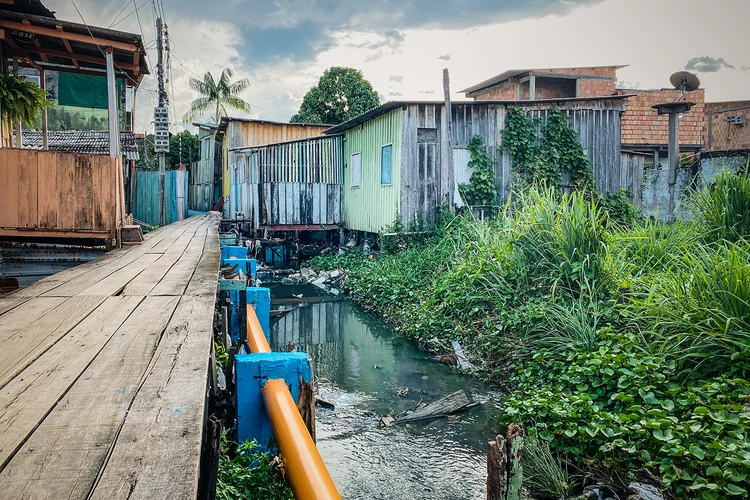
(685, 81)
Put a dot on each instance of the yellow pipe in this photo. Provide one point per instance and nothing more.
(307, 473)
(256, 339)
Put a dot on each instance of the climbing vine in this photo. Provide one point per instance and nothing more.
(543, 152)
(481, 189)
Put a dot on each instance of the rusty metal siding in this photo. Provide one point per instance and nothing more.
(372, 206)
(292, 183)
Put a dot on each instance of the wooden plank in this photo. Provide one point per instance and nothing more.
(28, 398)
(9, 188)
(47, 192)
(150, 277)
(66, 178)
(84, 192)
(9, 303)
(176, 280)
(27, 188)
(157, 453)
(204, 278)
(102, 181)
(19, 349)
(27, 312)
(64, 455)
(116, 282)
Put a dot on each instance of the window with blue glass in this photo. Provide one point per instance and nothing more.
(386, 165)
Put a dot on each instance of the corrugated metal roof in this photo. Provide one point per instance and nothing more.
(511, 73)
(82, 141)
(391, 105)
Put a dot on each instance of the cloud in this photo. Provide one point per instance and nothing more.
(445, 57)
(394, 94)
(396, 78)
(426, 91)
(707, 64)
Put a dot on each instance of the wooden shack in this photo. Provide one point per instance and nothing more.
(204, 187)
(396, 156)
(293, 185)
(237, 133)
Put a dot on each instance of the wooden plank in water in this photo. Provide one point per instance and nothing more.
(64, 455)
(29, 397)
(157, 453)
(19, 349)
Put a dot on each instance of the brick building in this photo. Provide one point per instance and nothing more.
(644, 131)
(540, 84)
(727, 125)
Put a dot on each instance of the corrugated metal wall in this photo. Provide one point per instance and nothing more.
(372, 206)
(147, 196)
(294, 183)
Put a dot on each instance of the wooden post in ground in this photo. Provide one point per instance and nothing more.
(504, 465)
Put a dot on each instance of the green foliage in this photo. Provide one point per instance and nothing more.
(21, 99)
(542, 473)
(191, 151)
(222, 357)
(543, 152)
(481, 190)
(724, 209)
(391, 240)
(619, 207)
(246, 473)
(340, 95)
(217, 96)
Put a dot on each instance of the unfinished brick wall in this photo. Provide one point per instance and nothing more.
(642, 125)
(597, 88)
(503, 92)
(550, 89)
(725, 136)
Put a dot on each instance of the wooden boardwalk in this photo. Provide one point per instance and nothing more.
(104, 370)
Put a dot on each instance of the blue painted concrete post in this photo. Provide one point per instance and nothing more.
(252, 371)
(260, 299)
(231, 255)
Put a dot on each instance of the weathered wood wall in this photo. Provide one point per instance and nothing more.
(201, 186)
(631, 175)
(292, 183)
(60, 195)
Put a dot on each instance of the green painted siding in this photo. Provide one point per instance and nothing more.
(372, 206)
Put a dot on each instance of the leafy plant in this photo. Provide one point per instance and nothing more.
(481, 190)
(391, 240)
(245, 472)
(21, 100)
(724, 209)
(619, 207)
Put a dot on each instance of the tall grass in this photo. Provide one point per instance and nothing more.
(566, 327)
(724, 209)
(542, 473)
(699, 311)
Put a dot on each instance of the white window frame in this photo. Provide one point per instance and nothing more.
(359, 180)
(381, 163)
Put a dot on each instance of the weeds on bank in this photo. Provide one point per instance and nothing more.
(247, 473)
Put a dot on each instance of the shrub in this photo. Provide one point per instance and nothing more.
(245, 472)
(724, 209)
(619, 207)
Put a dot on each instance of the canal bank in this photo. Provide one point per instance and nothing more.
(370, 372)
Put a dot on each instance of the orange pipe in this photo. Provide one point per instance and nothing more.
(307, 473)
(256, 339)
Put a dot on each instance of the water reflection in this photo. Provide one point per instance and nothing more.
(370, 372)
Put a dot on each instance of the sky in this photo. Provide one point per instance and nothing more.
(402, 46)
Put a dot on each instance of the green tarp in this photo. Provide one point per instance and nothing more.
(84, 91)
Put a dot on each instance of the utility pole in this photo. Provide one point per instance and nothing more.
(161, 120)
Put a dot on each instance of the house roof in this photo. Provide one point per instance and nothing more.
(226, 119)
(513, 73)
(44, 42)
(82, 141)
(391, 105)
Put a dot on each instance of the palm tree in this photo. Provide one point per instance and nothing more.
(216, 96)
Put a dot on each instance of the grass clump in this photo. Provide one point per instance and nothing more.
(724, 209)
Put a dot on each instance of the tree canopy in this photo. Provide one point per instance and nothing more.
(341, 94)
(217, 96)
(191, 151)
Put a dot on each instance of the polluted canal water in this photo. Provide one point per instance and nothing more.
(369, 372)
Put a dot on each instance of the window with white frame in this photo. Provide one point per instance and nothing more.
(386, 165)
(356, 169)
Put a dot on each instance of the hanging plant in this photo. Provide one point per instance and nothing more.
(20, 99)
(481, 189)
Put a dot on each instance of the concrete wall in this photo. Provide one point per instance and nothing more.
(699, 176)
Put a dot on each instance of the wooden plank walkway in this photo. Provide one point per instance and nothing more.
(104, 372)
